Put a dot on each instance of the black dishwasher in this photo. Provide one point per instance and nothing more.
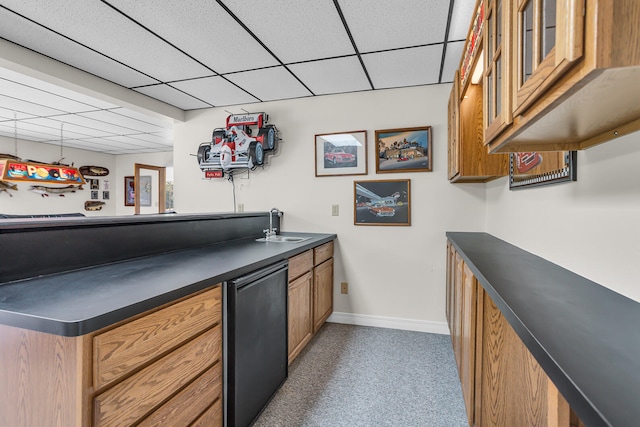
(255, 341)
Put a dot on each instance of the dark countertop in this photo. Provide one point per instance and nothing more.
(82, 301)
(586, 337)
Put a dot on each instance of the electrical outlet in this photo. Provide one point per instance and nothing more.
(240, 207)
(344, 288)
(335, 210)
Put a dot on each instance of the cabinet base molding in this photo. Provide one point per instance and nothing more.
(389, 322)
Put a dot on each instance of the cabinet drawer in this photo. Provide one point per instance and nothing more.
(123, 349)
(300, 264)
(185, 406)
(322, 253)
(130, 400)
(212, 417)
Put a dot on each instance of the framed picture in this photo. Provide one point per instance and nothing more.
(94, 194)
(94, 184)
(105, 195)
(532, 169)
(342, 153)
(386, 202)
(403, 150)
(130, 191)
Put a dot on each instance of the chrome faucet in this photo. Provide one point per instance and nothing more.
(271, 231)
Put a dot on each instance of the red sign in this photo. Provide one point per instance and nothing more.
(213, 174)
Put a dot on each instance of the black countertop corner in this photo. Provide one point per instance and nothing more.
(585, 336)
(82, 301)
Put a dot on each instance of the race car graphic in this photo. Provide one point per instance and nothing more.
(235, 147)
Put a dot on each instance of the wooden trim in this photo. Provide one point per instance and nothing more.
(162, 178)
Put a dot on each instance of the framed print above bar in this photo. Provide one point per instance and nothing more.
(531, 169)
(403, 150)
(386, 202)
(341, 153)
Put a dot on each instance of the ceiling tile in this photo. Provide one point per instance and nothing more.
(332, 75)
(133, 125)
(98, 26)
(216, 91)
(161, 122)
(218, 36)
(172, 96)
(270, 84)
(90, 126)
(405, 67)
(165, 138)
(10, 115)
(388, 24)
(461, 19)
(451, 60)
(53, 128)
(26, 134)
(27, 107)
(50, 88)
(41, 40)
(19, 91)
(295, 31)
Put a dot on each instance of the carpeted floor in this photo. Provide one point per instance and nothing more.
(363, 376)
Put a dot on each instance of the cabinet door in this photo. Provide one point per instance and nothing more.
(456, 331)
(497, 74)
(468, 340)
(548, 38)
(514, 389)
(300, 314)
(454, 127)
(322, 293)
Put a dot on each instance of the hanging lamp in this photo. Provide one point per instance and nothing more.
(43, 173)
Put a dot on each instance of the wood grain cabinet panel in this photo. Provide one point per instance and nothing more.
(212, 417)
(130, 400)
(300, 264)
(121, 350)
(197, 397)
(300, 314)
(322, 253)
(322, 293)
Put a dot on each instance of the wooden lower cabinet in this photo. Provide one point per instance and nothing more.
(160, 368)
(310, 295)
(502, 383)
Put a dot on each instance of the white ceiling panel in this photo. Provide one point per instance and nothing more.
(270, 84)
(218, 38)
(216, 91)
(16, 90)
(132, 124)
(204, 53)
(41, 40)
(406, 67)
(293, 30)
(389, 24)
(461, 19)
(451, 60)
(98, 26)
(172, 96)
(332, 75)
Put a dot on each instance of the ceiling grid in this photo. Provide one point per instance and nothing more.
(201, 54)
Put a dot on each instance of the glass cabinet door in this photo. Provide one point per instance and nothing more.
(497, 74)
(549, 38)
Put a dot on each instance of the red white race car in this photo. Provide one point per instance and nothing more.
(235, 147)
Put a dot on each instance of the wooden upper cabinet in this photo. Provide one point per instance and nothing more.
(548, 36)
(454, 128)
(497, 68)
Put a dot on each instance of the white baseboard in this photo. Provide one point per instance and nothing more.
(390, 322)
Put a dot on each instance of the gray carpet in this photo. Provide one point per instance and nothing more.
(363, 376)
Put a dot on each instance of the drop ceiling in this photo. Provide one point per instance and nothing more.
(203, 53)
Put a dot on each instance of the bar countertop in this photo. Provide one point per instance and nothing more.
(585, 336)
(81, 301)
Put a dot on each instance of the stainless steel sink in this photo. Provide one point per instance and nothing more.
(282, 239)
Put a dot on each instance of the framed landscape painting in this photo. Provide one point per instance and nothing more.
(341, 153)
(386, 202)
(403, 150)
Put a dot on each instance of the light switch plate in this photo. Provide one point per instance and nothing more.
(335, 210)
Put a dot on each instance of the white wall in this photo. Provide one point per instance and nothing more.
(396, 272)
(25, 202)
(590, 226)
